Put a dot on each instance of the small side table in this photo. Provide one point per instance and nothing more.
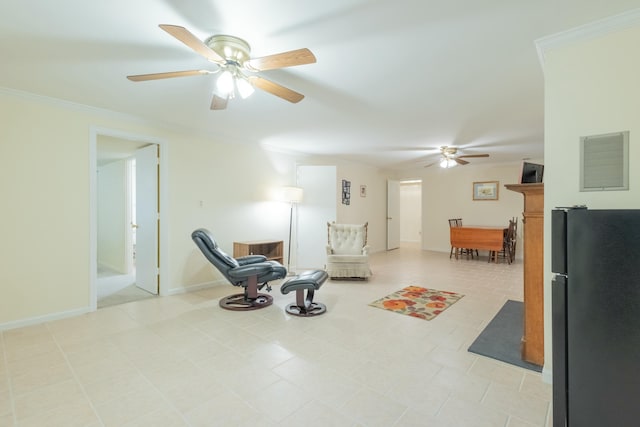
(272, 249)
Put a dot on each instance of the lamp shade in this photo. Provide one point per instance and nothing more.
(290, 194)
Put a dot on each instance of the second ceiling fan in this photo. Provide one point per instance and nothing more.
(238, 71)
(449, 157)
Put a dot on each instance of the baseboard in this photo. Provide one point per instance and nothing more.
(43, 319)
(195, 288)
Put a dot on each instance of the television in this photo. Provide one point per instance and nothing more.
(531, 173)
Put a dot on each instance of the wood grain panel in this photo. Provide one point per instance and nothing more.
(533, 222)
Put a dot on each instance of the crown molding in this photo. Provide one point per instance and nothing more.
(628, 19)
(70, 105)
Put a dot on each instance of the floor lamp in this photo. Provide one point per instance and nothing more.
(292, 195)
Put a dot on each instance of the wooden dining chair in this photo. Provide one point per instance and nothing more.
(457, 222)
(454, 222)
(513, 239)
(467, 251)
(508, 252)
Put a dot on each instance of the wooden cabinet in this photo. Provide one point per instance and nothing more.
(272, 249)
(533, 221)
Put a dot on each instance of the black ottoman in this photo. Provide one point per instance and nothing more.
(311, 282)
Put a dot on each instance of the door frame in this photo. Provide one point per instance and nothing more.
(163, 267)
(393, 210)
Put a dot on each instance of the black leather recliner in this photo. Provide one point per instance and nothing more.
(252, 272)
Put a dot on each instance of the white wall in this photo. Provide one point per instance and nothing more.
(227, 188)
(372, 208)
(316, 210)
(112, 214)
(591, 87)
(44, 164)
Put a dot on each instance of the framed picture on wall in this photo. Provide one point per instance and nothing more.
(487, 190)
(346, 192)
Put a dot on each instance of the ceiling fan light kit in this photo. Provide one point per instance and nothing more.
(233, 55)
(447, 163)
(225, 82)
(244, 87)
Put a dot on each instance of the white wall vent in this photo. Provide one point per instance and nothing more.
(604, 162)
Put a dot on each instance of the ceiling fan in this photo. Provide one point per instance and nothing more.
(449, 159)
(238, 71)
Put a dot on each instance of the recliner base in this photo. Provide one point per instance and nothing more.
(239, 302)
(309, 281)
(313, 309)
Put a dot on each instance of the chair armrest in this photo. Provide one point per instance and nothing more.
(365, 250)
(251, 259)
(255, 269)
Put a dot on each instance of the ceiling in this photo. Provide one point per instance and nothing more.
(394, 79)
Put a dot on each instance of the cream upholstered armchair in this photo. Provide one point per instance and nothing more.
(347, 251)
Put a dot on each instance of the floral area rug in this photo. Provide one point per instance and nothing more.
(418, 302)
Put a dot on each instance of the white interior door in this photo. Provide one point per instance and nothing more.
(393, 214)
(317, 208)
(147, 214)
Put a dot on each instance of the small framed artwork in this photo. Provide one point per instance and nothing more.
(487, 190)
(363, 191)
(346, 192)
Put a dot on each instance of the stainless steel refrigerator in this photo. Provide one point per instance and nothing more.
(596, 317)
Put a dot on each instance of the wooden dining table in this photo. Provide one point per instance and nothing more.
(484, 237)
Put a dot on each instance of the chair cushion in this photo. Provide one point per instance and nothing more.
(347, 239)
(307, 280)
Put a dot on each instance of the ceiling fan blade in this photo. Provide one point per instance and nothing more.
(475, 155)
(281, 60)
(186, 37)
(157, 76)
(276, 89)
(459, 161)
(219, 103)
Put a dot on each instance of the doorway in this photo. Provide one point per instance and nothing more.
(410, 201)
(126, 228)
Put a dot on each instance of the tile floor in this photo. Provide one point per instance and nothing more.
(183, 361)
